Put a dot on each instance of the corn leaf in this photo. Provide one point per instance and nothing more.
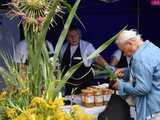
(104, 46)
(66, 27)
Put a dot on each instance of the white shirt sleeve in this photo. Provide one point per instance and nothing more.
(88, 51)
(21, 52)
(117, 54)
(50, 46)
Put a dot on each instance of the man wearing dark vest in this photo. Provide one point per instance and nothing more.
(74, 51)
(119, 60)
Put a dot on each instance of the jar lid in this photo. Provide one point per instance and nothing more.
(98, 92)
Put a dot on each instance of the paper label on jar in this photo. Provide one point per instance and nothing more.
(99, 99)
(89, 99)
(107, 97)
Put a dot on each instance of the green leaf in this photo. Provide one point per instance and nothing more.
(57, 51)
(65, 29)
(104, 46)
(69, 7)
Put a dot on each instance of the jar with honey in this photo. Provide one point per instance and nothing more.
(88, 98)
(106, 96)
(98, 97)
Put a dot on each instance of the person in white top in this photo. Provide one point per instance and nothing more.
(21, 52)
(74, 51)
(119, 60)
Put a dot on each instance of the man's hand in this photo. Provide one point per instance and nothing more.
(115, 85)
(119, 72)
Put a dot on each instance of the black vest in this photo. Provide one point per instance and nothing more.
(68, 62)
(122, 62)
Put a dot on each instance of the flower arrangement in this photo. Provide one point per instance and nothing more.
(40, 109)
(31, 91)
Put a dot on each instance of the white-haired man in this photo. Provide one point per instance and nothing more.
(145, 70)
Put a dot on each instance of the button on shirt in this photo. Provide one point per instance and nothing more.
(146, 69)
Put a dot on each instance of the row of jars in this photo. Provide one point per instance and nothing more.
(95, 96)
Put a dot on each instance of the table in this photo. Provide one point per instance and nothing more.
(92, 110)
(89, 110)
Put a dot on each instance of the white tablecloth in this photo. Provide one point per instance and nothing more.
(92, 110)
(89, 110)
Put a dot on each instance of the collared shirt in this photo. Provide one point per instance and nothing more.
(146, 71)
(21, 52)
(73, 50)
(86, 49)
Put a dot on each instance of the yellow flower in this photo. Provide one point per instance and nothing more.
(68, 117)
(49, 117)
(10, 112)
(3, 96)
(60, 115)
(36, 3)
(86, 117)
(27, 115)
(79, 114)
(57, 102)
(24, 91)
(38, 101)
(76, 108)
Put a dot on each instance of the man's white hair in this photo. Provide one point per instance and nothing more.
(127, 35)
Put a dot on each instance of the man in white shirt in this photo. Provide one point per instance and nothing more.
(21, 52)
(74, 51)
(119, 60)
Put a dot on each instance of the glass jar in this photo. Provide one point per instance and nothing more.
(87, 98)
(98, 98)
(106, 96)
